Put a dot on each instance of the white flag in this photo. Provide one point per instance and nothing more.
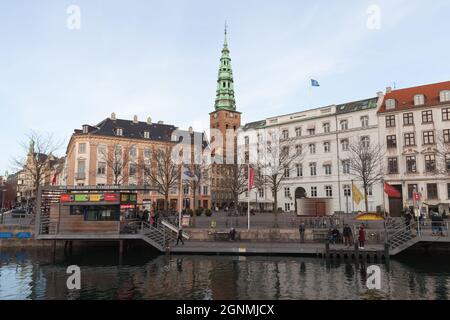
(189, 175)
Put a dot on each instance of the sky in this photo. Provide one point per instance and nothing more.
(160, 59)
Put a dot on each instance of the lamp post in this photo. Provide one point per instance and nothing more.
(3, 203)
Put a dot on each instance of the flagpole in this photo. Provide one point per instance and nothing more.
(353, 200)
(248, 199)
(180, 196)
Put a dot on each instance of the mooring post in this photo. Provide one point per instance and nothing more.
(327, 248)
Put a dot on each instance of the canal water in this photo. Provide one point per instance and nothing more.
(40, 274)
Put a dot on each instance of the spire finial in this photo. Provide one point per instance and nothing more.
(225, 32)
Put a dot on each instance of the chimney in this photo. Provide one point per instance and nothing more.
(135, 119)
(388, 89)
(149, 120)
(380, 100)
(113, 116)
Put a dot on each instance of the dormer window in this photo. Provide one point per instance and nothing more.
(390, 104)
(119, 132)
(146, 134)
(85, 129)
(419, 100)
(445, 96)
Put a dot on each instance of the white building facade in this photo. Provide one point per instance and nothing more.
(322, 136)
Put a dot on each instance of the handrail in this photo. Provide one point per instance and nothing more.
(174, 229)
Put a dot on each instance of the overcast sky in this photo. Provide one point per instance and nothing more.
(160, 58)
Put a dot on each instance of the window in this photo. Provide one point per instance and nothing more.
(287, 192)
(345, 166)
(313, 168)
(364, 121)
(445, 96)
(285, 134)
(312, 148)
(344, 144)
(326, 127)
(392, 165)
(390, 104)
(327, 169)
(261, 193)
(312, 131)
(133, 169)
(85, 129)
(147, 153)
(419, 100)
(133, 152)
(246, 140)
(146, 134)
(410, 139)
(408, 119)
(284, 151)
(391, 141)
(390, 121)
(313, 192)
(365, 141)
(411, 164)
(427, 116)
(101, 151)
(347, 190)
(81, 169)
(287, 207)
(286, 172)
(344, 125)
(119, 132)
(299, 169)
(82, 148)
(430, 163)
(448, 190)
(432, 192)
(298, 149)
(101, 168)
(446, 114)
(369, 191)
(298, 132)
(329, 191)
(428, 137)
(447, 162)
(411, 189)
(327, 147)
(446, 135)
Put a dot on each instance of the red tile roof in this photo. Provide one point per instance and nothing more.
(405, 97)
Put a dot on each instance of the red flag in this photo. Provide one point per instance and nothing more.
(54, 179)
(251, 178)
(391, 191)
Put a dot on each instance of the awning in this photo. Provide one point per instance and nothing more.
(369, 217)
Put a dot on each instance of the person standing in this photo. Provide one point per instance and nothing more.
(180, 236)
(361, 237)
(301, 229)
(347, 232)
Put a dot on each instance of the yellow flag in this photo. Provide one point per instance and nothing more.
(357, 195)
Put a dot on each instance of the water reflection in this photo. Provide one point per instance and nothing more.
(42, 275)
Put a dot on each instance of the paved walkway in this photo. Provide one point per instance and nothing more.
(236, 247)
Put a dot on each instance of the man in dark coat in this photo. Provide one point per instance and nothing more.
(347, 233)
(301, 229)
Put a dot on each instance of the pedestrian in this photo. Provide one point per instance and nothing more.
(301, 229)
(180, 236)
(361, 237)
(232, 234)
(347, 232)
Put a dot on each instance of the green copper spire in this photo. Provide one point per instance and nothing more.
(225, 84)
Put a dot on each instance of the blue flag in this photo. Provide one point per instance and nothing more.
(315, 83)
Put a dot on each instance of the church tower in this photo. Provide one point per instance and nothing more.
(224, 119)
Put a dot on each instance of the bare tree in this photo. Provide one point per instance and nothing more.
(164, 174)
(118, 160)
(235, 181)
(365, 162)
(443, 154)
(36, 165)
(201, 177)
(276, 159)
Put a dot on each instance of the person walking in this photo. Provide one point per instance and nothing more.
(301, 229)
(180, 236)
(347, 232)
(361, 237)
